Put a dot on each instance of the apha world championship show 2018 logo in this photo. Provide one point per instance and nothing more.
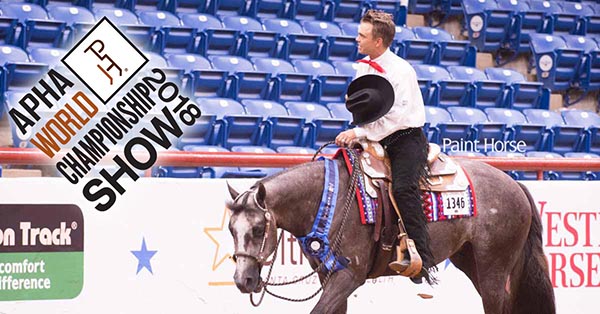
(95, 117)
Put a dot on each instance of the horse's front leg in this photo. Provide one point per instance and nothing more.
(335, 294)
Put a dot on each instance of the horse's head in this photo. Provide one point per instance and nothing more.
(254, 232)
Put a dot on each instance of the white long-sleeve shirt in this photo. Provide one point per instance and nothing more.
(407, 111)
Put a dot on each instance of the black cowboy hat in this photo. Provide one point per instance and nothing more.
(369, 98)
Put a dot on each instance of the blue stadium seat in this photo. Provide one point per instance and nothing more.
(440, 89)
(23, 11)
(321, 126)
(342, 48)
(143, 36)
(117, 16)
(521, 93)
(292, 87)
(312, 10)
(591, 122)
(441, 126)
(40, 33)
(485, 93)
(571, 18)
(158, 18)
(12, 54)
(202, 132)
(236, 127)
(7, 30)
(250, 85)
(253, 172)
(489, 26)
(329, 87)
(347, 68)
(338, 110)
(321, 28)
(422, 6)
(49, 56)
(481, 129)
(532, 20)
(231, 63)
(241, 23)
(209, 83)
(145, 5)
(228, 7)
(270, 8)
(272, 65)
(556, 64)
(415, 50)
(559, 137)
(220, 42)
(71, 14)
(186, 6)
(282, 26)
(280, 129)
(350, 11)
(447, 50)
(200, 21)
(188, 62)
(303, 46)
(178, 40)
(393, 7)
(351, 28)
(313, 67)
(518, 129)
(262, 44)
(588, 70)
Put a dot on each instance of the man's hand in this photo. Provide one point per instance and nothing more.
(344, 138)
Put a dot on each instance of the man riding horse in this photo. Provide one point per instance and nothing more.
(387, 107)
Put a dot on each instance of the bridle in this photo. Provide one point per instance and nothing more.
(260, 257)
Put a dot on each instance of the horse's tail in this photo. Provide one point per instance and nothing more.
(534, 292)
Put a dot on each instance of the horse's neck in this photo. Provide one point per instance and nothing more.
(294, 197)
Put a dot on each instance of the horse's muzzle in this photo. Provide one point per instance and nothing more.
(246, 275)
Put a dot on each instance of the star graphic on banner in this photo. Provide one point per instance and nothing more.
(144, 256)
(215, 234)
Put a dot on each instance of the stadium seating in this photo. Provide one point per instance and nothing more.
(559, 137)
(519, 93)
(117, 16)
(442, 129)
(320, 126)
(71, 14)
(556, 64)
(481, 130)
(518, 129)
(440, 89)
(591, 122)
(246, 172)
(280, 129)
(484, 92)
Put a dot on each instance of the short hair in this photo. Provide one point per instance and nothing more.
(383, 25)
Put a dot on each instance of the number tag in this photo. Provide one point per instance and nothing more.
(456, 203)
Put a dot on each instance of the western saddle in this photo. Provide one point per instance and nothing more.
(444, 175)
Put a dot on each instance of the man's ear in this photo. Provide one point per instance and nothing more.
(234, 194)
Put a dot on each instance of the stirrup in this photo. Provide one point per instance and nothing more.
(415, 262)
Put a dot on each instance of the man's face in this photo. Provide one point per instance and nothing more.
(365, 41)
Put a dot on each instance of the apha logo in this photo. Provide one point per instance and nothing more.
(104, 60)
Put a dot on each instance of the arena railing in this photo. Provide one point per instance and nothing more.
(32, 156)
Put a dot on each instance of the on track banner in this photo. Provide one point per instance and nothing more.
(165, 248)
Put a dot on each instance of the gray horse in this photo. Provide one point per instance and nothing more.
(500, 249)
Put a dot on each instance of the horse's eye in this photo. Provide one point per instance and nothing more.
(258, 231)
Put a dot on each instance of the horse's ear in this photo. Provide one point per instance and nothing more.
(261, 194)
(234, 194)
